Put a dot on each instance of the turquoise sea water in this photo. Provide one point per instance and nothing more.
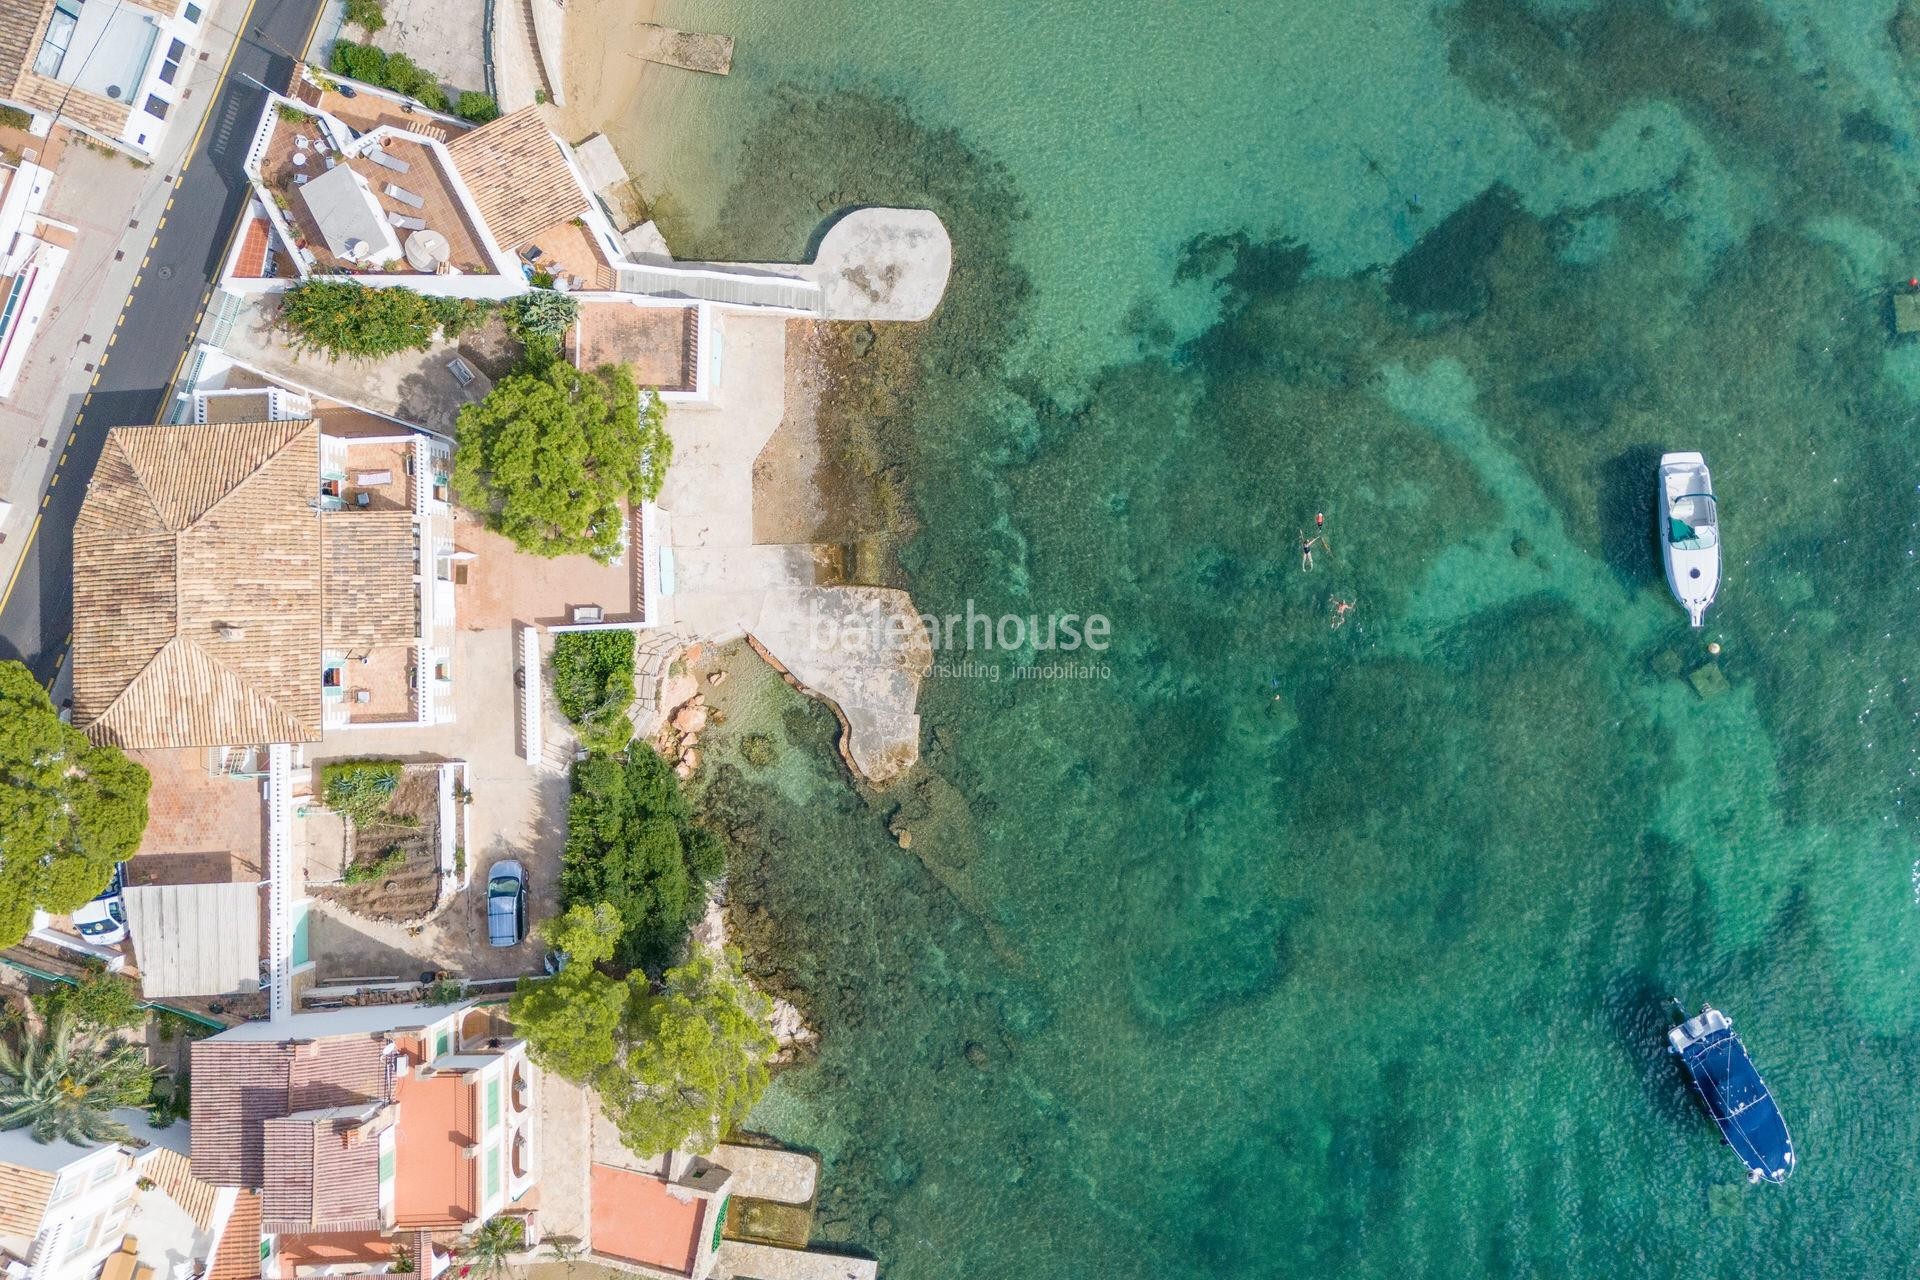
(1276, 949)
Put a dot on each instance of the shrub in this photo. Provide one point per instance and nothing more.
(359, 789)
(15, 118)
(593, 683)
(395, 71)
(544, 313)
(457, 315)
(99, 1002)
(343, 318)
(366, 14)
(632, 844)
(379, 869)
(477, 107)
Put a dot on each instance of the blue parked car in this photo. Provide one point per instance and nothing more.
(506, 904)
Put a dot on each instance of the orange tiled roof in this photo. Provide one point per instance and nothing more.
(239, 1085)
(519, 177)
(196, 587)
(238, 1257)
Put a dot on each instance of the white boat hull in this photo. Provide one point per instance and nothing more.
(1686, 518)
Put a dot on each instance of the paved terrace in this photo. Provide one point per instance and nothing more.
(286, 161)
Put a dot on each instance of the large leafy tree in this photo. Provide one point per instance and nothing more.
(69, 809)
(59, 1087)
(696, 1061)
(632, 843)
(569, 1020)
(672, 1068)
(552, 452)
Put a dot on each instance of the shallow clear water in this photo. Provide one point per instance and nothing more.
(1271, 948)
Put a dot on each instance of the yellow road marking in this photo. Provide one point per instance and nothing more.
(111, 339)
(136, 282)
(56, 480)
(192, 147)
(24, 548)
(63, 459)
(162, 224)
(73, 437)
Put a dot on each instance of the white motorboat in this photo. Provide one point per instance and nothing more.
(1689, 524)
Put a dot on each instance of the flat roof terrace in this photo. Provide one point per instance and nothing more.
(434, 1183)
(658, 345)
(286, 163)
(375, 478)
(503, 584)
(637, 1218)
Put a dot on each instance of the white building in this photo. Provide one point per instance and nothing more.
(65, 1208)
(112, 69)
(33, 249)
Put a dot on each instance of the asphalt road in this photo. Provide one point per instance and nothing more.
(158, 324)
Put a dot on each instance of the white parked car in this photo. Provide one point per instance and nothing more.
(103, 921)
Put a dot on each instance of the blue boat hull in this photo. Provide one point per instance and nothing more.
(1733, 1093)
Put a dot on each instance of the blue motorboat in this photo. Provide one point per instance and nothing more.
(1733, 1093)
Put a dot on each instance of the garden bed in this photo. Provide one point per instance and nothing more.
(393, 848)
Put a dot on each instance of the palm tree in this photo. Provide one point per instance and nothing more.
(494, 1245)
(60, 1090)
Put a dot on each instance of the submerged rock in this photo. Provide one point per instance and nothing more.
(977, 1056)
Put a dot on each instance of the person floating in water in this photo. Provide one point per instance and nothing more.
(1306, 553)
(1341, 608)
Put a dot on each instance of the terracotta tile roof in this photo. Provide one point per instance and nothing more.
(197, 585)
(172, 1173)
(22, 25)
(519, 177)
(370, 597)
(323, 1173)
(20, 28)
(24, 1194)
(238, 1257)
(239, 1085)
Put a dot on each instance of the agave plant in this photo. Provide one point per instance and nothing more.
(60, 1088)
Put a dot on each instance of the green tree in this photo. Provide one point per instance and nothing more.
(343, 318)
(569, 1020)
(551, 454)
(368, 15)
(59, 1088)
(100, 1001)
(632, 842)
(492, 1247)
(697, 1058)
(477, 107)
(69, 810)
(593, 683)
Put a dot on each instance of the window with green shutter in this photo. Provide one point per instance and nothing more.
(441, 1044)
(493, 1173)
(493, 1104)
(386, 1166)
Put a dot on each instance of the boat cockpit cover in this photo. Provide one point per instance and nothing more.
(1739, 1101)
(1690, 522)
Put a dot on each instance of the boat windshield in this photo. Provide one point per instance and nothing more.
(1693, 522)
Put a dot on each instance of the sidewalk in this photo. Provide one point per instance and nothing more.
(117, 206)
